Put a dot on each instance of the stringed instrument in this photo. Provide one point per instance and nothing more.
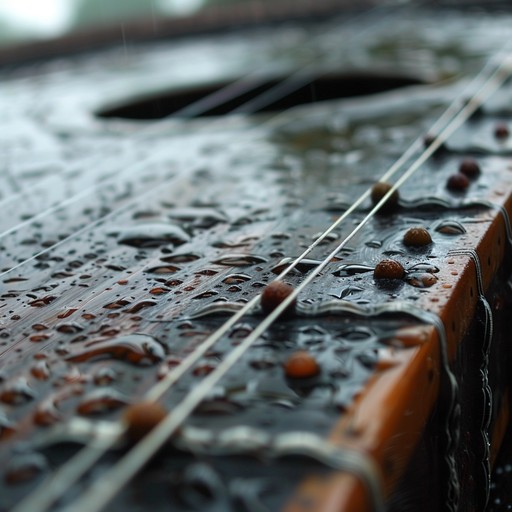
(208, 301)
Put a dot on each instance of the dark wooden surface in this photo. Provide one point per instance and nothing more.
(117, 233)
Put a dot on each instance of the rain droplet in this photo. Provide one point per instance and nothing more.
(198, 217)
(350, 269)
(236, 279)
(206, 295)
(101, 401)
(181, 258)
(144, 304)
(137, 349)
(43, 301)
(450, 227)
(199, 486)
(420, 280)
(424, 267)
(303, 266)
(217, 308)
(17, 392)
(152, 235)
(118, 304)
(41, 370)
(25, 467)
(163, 269)
(70, 328)
(104, 376)
(239, 260)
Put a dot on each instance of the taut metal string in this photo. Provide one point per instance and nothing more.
(102, 491)
(90, 454)
(98, 448)
(43, 497)
(216, 99)
(225, 94)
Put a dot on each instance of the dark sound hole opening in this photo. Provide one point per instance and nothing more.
(268, 96)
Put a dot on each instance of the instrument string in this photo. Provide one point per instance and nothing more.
(158, 390)
(102, 491)
(226, 94)
(110, 215)
(85, 460)
(70, 472)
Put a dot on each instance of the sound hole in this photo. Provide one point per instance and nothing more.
(250, 99)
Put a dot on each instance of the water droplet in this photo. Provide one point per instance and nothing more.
(352, 268)
(66, 313)
(163, 269)
(368, 358)
(15, 280)
(118, 304)
(263, 363)
(236, 279)
(41, 370)
(145, 214)
(173, 282)
(232, 244)
(159, 291)
(203, 369)
(38, 338)
(104, 376)
(43, 301)
(240, 331)
(138, 349)
(349, 291)
(186, 257)
(357, 334)
(239, 260)
(217, 308)
(450, 227)
(218, 406)
(17, 392)
(280, 236)
(206, 272)
(303, 266)
(101, 401)
(70, 328)
(420, 280)
(424, 267)
(144, 304)
(24, 468)
(199, 486)
(152, 235)
(331, 237)
(206, 295)
(198, 217)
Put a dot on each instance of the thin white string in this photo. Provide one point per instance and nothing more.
(102, 491)
(132, 169)
(42, 498)
(76, 467)
(194, 109)
(159, 390)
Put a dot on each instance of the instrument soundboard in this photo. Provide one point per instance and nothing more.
(152, 192)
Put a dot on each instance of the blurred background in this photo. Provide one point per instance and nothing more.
(29, 20)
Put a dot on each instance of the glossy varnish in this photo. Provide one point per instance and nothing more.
(125, 245)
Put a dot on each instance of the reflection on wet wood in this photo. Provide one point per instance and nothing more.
(127, 244)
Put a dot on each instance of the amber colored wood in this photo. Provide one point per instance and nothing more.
(388, 417)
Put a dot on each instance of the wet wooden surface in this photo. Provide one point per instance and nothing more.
(125, 244)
